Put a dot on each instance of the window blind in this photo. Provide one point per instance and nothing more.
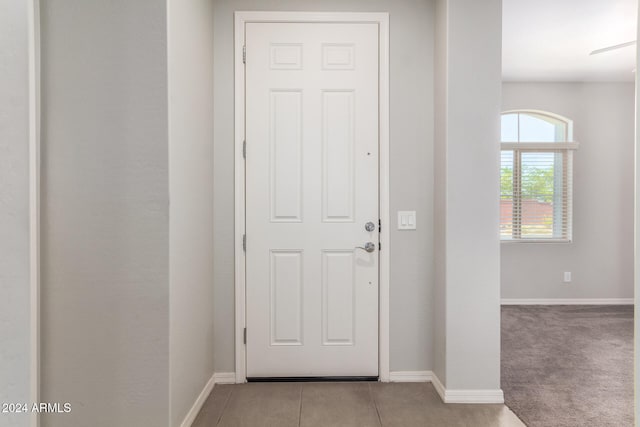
(535, 199)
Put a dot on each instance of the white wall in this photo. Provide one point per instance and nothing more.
(190, 40)
(105, 212)
(411, 26)
(467, 183)
(600, 257)
(14, 210)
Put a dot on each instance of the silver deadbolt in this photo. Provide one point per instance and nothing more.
(369, 247)
(369, 226)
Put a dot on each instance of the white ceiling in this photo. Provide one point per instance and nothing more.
(550, 40)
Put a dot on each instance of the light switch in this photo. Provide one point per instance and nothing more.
(406, 220)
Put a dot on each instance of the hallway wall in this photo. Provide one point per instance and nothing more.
(105, 212)
(411, 28)
(15, 323)
(190, 72)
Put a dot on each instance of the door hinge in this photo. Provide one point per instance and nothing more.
(244, 54)
(244, 149)
(244, 242)
(379, 246)
(379, 226)
(245, 335)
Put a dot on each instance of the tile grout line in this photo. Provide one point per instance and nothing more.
(224, 408)
(300, 413)
(375, 404)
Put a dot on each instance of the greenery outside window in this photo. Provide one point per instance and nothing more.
(536, 176)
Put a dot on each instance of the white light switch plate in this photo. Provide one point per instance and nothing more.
(406, 220)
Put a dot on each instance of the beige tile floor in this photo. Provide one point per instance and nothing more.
(343, 404)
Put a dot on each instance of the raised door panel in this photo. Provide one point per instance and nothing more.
(285, 302)
(338, 297)
(338, 167)
(285, 160)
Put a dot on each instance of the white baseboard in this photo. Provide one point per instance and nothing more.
(474, 396)
(197, 405)
(567, 301)
(224, 377)
(410, 376)
(466, 396)
(438, 386)
(216, 378)
(447, 396)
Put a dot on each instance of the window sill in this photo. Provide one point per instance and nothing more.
(520, 241)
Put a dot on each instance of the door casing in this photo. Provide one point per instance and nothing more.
(382, 20)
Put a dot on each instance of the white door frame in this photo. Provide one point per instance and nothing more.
(382, 20)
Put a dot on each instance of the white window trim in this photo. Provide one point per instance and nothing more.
(560, 146)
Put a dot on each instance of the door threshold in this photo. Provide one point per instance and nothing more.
(308, 379)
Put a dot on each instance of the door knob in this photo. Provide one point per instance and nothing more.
(369, 247)
(369, 226)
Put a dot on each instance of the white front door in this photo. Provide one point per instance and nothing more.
(311, 188)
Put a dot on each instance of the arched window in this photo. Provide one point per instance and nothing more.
(536, 176)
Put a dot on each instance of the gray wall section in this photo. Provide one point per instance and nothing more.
(601, 254)
(411, 26)
(440, 197)
(105, 239)
(469, 179)
(190, 38)
(14, 209)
